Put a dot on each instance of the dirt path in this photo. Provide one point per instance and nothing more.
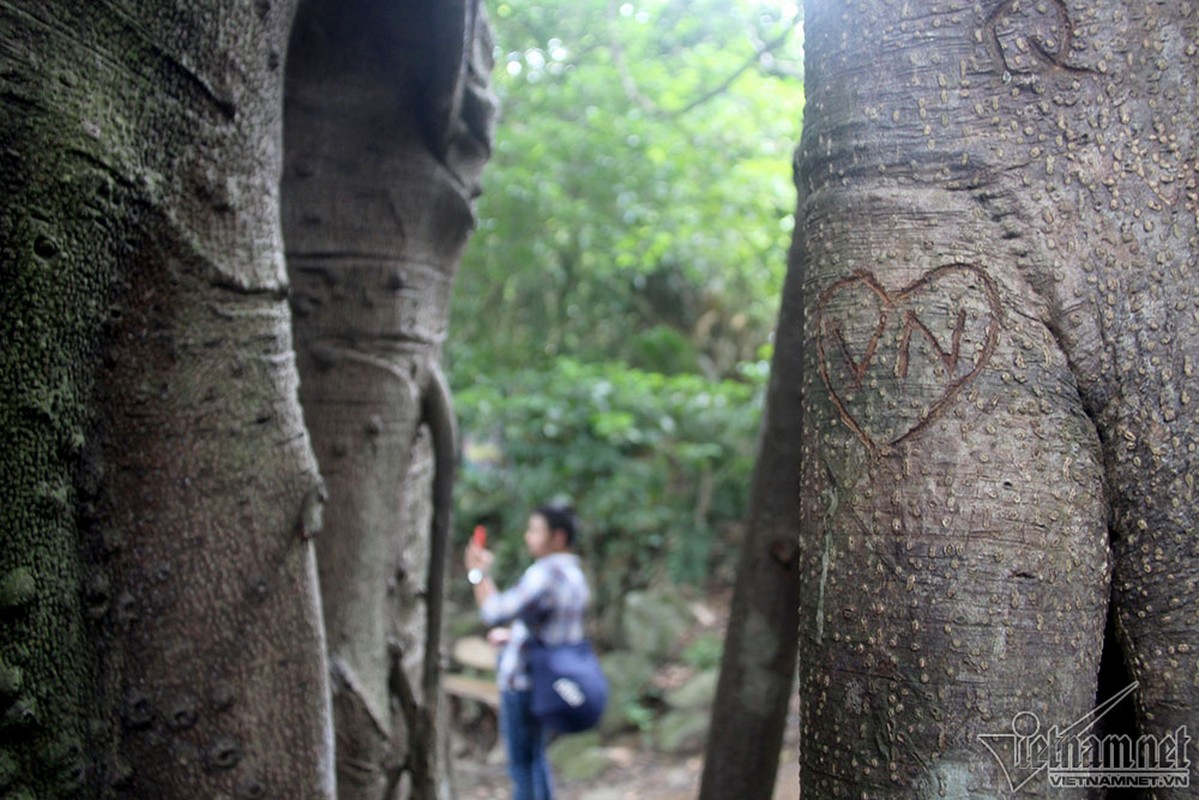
(636, 773)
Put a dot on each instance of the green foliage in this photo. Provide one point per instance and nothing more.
(662, 349)
(640, 181)
(655, 465)
(640, 715)
(704, 652)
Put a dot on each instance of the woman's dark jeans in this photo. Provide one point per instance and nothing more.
(525, 742)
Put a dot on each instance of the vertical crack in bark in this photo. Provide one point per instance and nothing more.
(418, 760)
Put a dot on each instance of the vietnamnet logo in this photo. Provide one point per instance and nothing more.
(1076, 757)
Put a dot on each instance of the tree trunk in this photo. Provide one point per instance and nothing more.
(999, 218)
(387, 128)
(757, 669)
(162, 627)
(1001, 227)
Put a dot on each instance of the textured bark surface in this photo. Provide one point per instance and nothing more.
(387, 127)
(163, 636)
(757, 669)
(999, 218)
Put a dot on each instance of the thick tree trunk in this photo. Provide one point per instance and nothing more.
(757, 670)
(162, 632)
(1000, 227)
(387, 128)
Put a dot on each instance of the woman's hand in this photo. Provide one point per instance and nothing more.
(477, 557)
(478, 570)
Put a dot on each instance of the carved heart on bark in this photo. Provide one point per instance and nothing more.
(894, 360)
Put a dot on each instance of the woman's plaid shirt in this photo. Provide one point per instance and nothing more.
(549, 602)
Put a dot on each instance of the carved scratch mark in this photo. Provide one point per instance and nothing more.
(858, 368)
(832, 347)
(912, 323)
(1031, 37)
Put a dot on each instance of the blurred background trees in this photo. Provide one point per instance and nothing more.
(612, 319)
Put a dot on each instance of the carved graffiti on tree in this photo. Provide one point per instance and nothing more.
(890, 365)
(1032, 37)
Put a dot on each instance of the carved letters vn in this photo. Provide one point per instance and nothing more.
(894, 360)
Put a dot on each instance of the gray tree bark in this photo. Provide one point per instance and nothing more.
(757, 668)
(162, 629)
(999, 214)
(388, 125)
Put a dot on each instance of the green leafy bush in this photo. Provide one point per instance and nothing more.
(704, 651)
(657, 466)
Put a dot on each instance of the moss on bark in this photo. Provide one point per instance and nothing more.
(141, 254)
(59, 244)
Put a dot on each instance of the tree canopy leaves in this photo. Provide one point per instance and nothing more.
(639, 202)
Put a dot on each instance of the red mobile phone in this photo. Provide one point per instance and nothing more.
(480, 536)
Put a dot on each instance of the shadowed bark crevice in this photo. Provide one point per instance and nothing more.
(1113, 677)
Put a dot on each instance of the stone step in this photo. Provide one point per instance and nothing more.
(484, 691)
(475, 652)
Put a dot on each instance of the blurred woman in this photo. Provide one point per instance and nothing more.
(549, 602)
